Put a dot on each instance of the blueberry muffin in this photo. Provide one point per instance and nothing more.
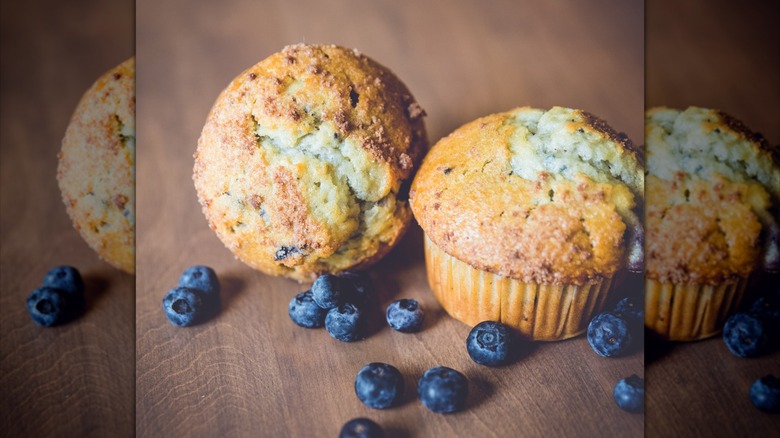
(713, 188)
(96, 171)
(304, 162)
(528, 215)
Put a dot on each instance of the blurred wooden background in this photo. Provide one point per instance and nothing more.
(251, 372)
(77, 379)
(724, 55)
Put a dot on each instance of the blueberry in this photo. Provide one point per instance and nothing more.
(379, 385)
(631, 307)
(359, 285)
(328, 291)
(443, 390)
(48, 306)
(765, 394)
(609, 334)
(489, 343)
(183, 306)
(201, 278)
(405, 315)
(361, 428)
(305, 312)
(767, 304)
(65, 278)
(745, 334)
(629, 394)
(345, 323)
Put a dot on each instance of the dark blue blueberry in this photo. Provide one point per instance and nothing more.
(745, 334)
(765, 394)
(345, 323)
(69, 281)
(489, 343)
(329, 291)
(48, 306)
(768, 307)
(65, 278)
(360, 287)
(405, 315)
(305, 312)
(629, 394)
(379, 385)
(443, 390)
(361, 428)
(183, 306)
(201, 278)
(631, 307)
(609, 334)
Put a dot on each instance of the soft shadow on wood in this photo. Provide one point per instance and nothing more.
(232, 286)
(95, 287)
(655, 347)
(480, 390)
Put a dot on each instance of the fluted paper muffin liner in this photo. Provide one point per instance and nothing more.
(543, 312)
(689, 312)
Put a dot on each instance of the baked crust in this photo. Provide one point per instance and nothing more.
(525, 194)
(300, 167)
(712, 197)
(96, 171)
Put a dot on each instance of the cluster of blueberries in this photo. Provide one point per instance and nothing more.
(195, 299)
(753, 333)
(616, 333)
(59, 299)
(340, 304)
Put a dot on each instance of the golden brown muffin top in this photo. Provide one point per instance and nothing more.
(301, 162)
(538, 196)
(96, 171)
(712, 197)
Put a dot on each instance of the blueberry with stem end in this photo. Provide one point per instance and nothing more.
(328, 291)
(345, 323)
(629, 394)
(361, 428)
(183, 306)
(489, 343)
(405, 315)
(609, 334)
(745, 334)
(305, 312)
(47, 306)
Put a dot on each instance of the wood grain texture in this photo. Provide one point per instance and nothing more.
(76, 379)
(250, 371)
(727, 56)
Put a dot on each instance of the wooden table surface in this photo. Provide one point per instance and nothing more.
(721, 55)
(251, 371)
(76, 379)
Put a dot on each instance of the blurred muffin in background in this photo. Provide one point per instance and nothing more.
(713, 188)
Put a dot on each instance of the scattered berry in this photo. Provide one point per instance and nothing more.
(48, 306)
(66, 278)
(183, 306)
(361, 428)
(405, 315)
(745, 335)
(609, 334)
(305, 312)
(765, 393)
(489, 343)
(329, 291)
(443, 390)
(345, 323)
(629, 394)
(379, 385)
(201, 278)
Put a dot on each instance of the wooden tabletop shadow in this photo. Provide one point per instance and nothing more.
(95, 287)
(480, 390)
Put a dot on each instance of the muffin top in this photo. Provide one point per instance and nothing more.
(96, 171)
(712, 197)
(538, 196)
(301, 164)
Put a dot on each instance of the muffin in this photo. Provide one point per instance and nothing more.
(712, 201)
(528, 215)
(304, 162)
(96, 171)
